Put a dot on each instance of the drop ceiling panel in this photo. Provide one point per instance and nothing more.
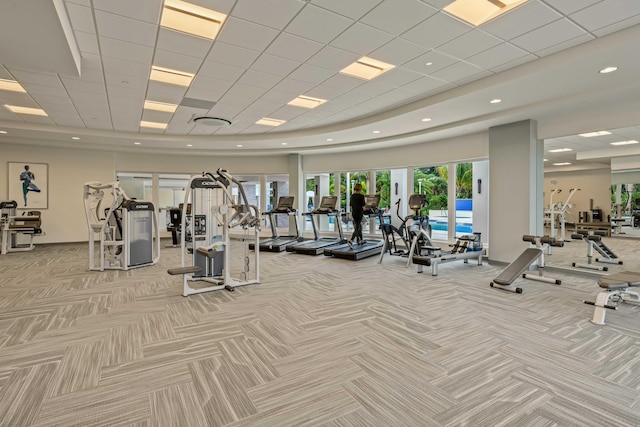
(427, 85)
(397, 52)
(520, 20)
(605, 13)
(469, 44)
(174, 41)
(18, 99)
(176, 61)
(124, 94)
(82, 18)
(384, 16)
(232, 55)
(318, 24)
(52, 91)
(256, 78)
(311, 73)
(436, 30)
(293, 47)
(164, 92)
(570, 6)
(548, 35)
(123, 28)
(396, 77)
(333, 58)
(294, 87)
(437, 59)
(220, 71)
(88, 44)
(143, 10)
(274, 13)
(342, 82)
(275, 65)
(246, 91)
(361, 39)
(497, 55)
(325, 92)
(126, 68)
(59, 103)
(129, 82)
(246, 34)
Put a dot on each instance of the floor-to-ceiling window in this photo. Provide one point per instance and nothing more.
(432, 182)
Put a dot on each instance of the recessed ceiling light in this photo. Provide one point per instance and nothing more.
(283, 143)
(376, 131)
(153, 125)
(477, 12)
(329, 139)
(426, 119)
(26, 110)
(137, 143)
(191, 19)
(11, 85)
(75, 138)
(597, 133)
(239, 145)
(306, 102)
(561, 164)
(560, 150)
(266, 121)
(189, 145)
(174, 77)
(160, 106)
(632, 141)
(3, 132)
(366, 68)
(428, 63)
(608, 70)
(495, 101)
(546, 160)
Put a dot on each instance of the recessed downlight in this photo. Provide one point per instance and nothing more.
(562, 164)
(137, 143)
(189, 145)
(329, 139)
(596, 133)
(239, 145)
(630, 142)
(608, 70)
(283, 143)
(376, 131)
(75, 138)
(3, 132)
(560, 150)
(495, 101)
(426, 119)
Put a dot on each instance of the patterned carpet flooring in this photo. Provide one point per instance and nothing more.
(320, 342)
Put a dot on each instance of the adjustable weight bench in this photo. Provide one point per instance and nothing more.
(616, 290)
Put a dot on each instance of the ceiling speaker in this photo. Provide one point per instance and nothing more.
(211, 121)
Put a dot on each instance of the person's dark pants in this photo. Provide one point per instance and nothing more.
(357, 230)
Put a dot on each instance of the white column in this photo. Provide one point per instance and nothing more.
(451, 201)
(297, 189)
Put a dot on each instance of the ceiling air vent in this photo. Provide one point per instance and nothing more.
(211, 121)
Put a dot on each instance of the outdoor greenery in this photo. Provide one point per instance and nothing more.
(629, 197)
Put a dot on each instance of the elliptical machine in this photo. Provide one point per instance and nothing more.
(413, 232)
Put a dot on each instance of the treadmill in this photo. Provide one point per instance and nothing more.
(318, 244)
(277, 243)
(369, 247)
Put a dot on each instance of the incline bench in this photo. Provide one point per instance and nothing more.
(616, 290)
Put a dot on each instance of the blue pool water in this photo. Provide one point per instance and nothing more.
(443, 226)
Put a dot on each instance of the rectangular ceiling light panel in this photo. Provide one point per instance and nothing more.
(153, 125)
(306, 102)
(560, 150)
(477, 12)
(270, 122)
(366, 68)
(633, 141)
(11, 85)
(597, 133)
(160, 106)
(191, 19)
(174, 77)
(26, 110)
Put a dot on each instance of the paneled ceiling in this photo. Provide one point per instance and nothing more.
(86, 63)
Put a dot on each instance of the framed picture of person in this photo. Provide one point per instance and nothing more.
(29, 184)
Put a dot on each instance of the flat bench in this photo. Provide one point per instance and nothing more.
(616, 290)
(184, 270)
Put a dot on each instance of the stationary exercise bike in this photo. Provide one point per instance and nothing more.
(413, 227)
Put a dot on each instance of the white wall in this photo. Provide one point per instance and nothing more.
(593, 184)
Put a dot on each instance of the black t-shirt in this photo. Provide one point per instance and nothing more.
(357, 205)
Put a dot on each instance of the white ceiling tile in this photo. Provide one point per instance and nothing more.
(397, 77)
(87, 43)
(437, 60)
(397, 16)
(90, 62)
(497, 55)
(570, 6)
(70, 120)
(325, 92)
(232, 55)
(311, 73)
(61, 103)
(126, 51)
(318, 24)
(82, 18)
(457, 71)
(17, 98)
(246, 34)
(80, 2)
(143, 10)
(469, 44)
(549, 35)
(126, 68)
(156, 116)
(293, 47)
(273, 13)
(176, 61)
(256, 78)
(185, 44)
(333, 58)
(353, 9)
(220, 71)
(397, 52)
(514, 63)
(208, 88)
(245, 91)
(520, 20)
(436, 30)
(122, 28)
(361, 39)
(565, 45)
(165, 92)
(128, 82)
(274, 65)
(342, 82)
(426, 85)
(94, 76)
(605, 13)
(38, 79)
(122, 96)
(617, 26)
(242, 101)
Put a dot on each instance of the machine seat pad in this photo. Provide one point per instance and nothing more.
(623, 280)
(184, 270)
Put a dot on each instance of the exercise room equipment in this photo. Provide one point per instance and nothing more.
(615, 291)
(15, 228)
(465, 248)
(277, 243)
(128, 234)
(369, 246)
(594, 241)
(174, 225)
(413, 228)
(526, 259)
(557, 213)
(319, 243)
(215, 211)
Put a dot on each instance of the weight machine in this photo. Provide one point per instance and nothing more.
(215, 210)
(557, 212)
(12, 226)
(126, 229)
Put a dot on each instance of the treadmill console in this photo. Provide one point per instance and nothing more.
(327, 204)
(417, 202)
(285, 205)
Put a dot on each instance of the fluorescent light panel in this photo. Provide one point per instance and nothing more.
(266, 121)
(153, 125)
(160, 106)
(26, 110)
(191, 19)
(632, 141)
(561, 164)
(367, 68)
(477, 12)
(306, 102)
(560, 150)
(174, 77)
(11, 85)
(597, 133)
